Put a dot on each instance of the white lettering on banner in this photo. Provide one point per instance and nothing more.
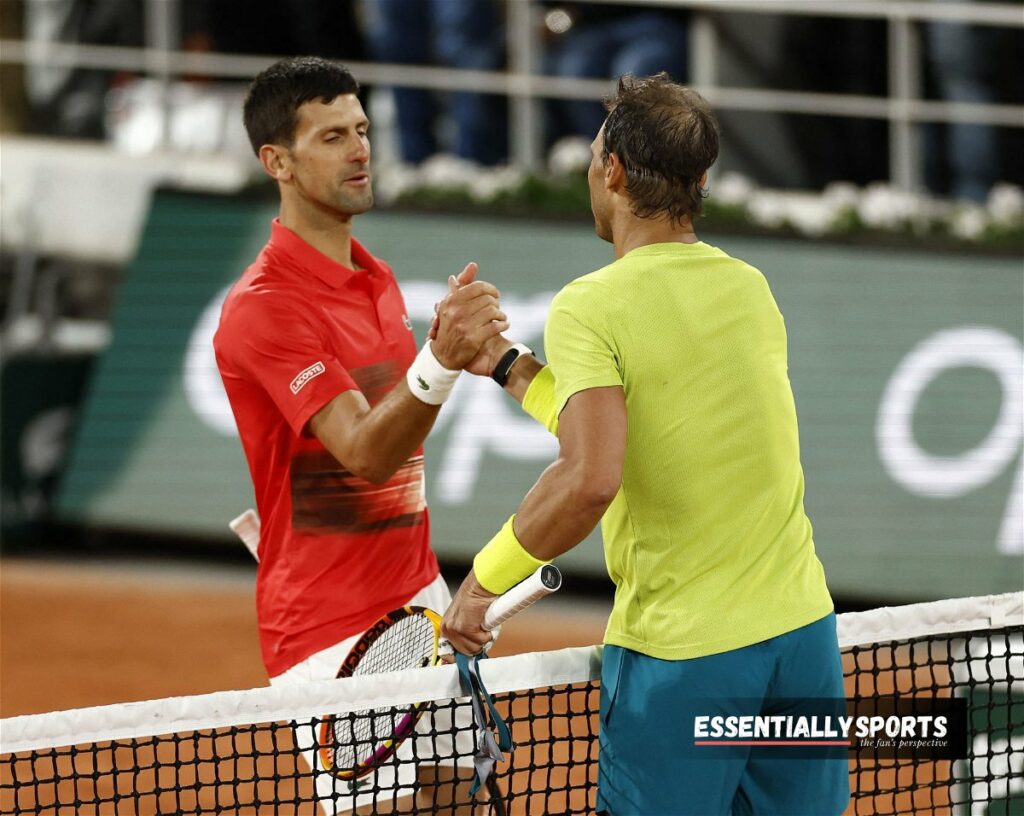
(946, 477)
(201, 379)
(481, 417)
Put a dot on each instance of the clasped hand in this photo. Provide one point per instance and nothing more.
(468, 318)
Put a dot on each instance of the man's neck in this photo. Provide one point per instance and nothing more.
(630, 232)
(325, 232)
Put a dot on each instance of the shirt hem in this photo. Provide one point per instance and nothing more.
(705, 649)
(332, 633)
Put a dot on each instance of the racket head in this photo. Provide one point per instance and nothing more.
(353, 744)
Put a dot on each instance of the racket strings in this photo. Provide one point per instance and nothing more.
(361, 736)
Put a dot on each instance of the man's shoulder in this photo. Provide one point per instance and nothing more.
(258, 300)
(601, 284)
(722, 258)
(588, 299)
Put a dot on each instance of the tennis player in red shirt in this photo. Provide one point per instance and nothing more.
(331, 398)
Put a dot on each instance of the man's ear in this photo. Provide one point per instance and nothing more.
(276, 162)
(703, 181)
(614, 174)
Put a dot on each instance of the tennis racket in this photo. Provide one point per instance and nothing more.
(351, 745)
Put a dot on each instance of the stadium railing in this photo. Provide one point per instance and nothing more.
(903, 106)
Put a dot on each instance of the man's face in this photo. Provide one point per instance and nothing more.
(599, 203)
(330, 155)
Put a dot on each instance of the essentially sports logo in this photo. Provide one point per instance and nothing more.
(814, 730)
(882, 726)
(305, 376)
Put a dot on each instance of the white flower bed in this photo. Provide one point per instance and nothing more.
(839, 208)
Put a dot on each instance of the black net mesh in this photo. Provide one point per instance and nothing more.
(257, 769)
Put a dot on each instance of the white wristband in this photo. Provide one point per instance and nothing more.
(428, 380)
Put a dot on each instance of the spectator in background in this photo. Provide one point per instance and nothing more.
(454, 34)
(599, 41)
(842, 56)
(65, 101)
(960, 57)
(325, 28)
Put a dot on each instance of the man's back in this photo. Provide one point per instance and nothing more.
(709, 525)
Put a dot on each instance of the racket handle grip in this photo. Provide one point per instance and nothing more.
(247, 528)
(543, 582)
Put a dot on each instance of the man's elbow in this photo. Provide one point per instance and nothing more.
(374, 472)
(597, 494)
(368, 468)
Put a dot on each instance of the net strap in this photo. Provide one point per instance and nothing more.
(490, 750)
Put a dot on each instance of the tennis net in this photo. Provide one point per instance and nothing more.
(235, 752)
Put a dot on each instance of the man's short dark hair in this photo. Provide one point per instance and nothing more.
(275, 95)
(666, 137)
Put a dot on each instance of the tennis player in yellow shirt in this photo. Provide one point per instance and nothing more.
(667, 387)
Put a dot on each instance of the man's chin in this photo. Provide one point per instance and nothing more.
(356, 205)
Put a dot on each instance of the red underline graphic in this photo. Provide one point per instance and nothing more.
(844, 743)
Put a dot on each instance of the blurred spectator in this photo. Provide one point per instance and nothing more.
(454, 34)
(960, 57)
(606, 41)
(323, 28)
(831, 55)
(70, 101)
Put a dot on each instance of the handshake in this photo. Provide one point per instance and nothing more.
(466, 333)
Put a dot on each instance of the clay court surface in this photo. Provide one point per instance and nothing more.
(74, 635)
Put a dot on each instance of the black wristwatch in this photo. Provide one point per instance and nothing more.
(508, 359)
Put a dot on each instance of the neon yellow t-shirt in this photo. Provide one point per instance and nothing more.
(707, 540)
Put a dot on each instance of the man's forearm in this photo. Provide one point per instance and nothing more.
(530, 383)
(374, 442)
(519, 378)
(395, 428)
(559, 511)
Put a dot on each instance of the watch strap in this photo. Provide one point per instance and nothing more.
(508, 359)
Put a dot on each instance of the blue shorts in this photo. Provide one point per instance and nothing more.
(649, 764)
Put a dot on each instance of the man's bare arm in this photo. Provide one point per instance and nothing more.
(563, 506)
(572, 494)
(374, 442)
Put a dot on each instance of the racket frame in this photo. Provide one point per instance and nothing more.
(406, 726)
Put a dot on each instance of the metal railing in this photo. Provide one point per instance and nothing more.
(903, 107)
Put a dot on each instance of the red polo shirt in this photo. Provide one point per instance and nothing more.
(336, 552)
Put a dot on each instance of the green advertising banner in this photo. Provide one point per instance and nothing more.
(906, 365)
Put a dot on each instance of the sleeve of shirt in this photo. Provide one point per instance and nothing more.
(578, 343)
(276, 348)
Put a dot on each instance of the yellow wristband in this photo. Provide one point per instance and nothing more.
(539, 399)
(503, 562)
